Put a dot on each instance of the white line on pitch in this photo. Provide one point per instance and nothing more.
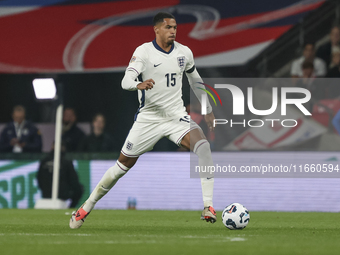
(41, 234)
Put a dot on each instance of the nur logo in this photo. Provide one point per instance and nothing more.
(239, 100)
(204, 97)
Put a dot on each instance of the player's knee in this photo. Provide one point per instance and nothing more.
(202, 148)
(127, 161)
(118, 171)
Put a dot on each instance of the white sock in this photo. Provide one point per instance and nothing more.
(202, 150)
(111, 176)
(207, 191)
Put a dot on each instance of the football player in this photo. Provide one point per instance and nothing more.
(161, 64)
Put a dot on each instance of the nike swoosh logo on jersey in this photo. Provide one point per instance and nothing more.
(156, 65)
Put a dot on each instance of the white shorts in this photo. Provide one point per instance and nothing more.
(144, 135)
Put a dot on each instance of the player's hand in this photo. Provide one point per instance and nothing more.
(148, 84)
(209, 119)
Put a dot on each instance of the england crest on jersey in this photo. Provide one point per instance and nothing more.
(129, 145)
(181, 62)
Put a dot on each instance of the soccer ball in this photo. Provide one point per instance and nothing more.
(235, 216)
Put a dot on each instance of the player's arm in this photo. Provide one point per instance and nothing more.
(197, 86)
(136, 67)
(130, 82)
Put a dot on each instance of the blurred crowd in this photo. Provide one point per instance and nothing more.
(321, 62)
(21, 135)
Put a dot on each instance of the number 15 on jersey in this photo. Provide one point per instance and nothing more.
(170, 79)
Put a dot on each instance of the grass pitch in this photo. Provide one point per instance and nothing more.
(166, 232)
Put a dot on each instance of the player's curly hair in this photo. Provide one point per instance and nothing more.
(159, 17)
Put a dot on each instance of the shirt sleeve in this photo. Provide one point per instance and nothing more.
(197, 85)
(136, 67)
(138, 60)
(190, 64)
(195, 80)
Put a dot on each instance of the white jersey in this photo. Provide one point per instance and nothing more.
(164, 100)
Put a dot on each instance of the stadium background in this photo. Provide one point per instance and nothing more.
(245, 39)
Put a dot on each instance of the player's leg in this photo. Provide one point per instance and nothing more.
(109, 179)
(196, 142)
(142, 137)
(185, 132)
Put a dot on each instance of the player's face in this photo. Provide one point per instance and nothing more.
(167, 31)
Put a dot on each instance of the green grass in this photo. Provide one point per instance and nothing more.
(166, 232)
